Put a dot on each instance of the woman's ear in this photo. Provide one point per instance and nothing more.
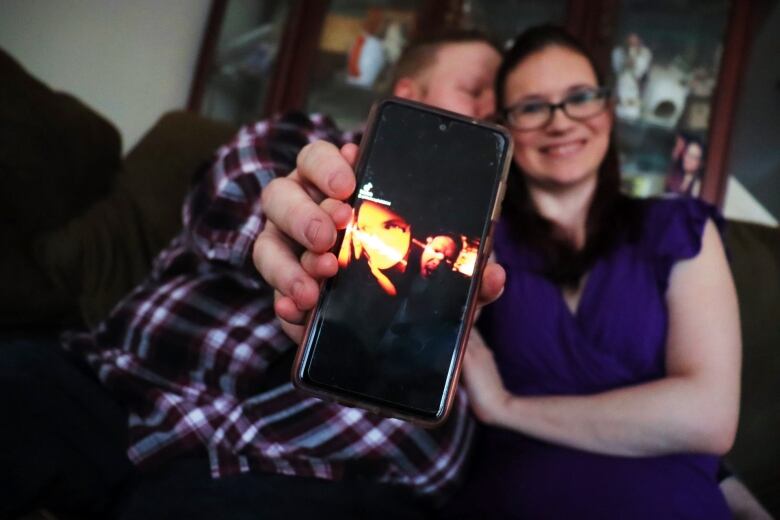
(408, 88)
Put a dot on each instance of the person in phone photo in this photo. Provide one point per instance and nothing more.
(440, 252)
(381, 238)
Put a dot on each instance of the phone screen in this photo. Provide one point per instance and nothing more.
(388, 326)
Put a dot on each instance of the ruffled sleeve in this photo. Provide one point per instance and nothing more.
(673, 230)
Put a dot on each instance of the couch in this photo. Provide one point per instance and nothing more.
(81, 225)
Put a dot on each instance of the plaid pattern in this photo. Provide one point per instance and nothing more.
(190, 349)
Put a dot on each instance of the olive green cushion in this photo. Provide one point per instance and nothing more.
(57, 157)
(101, 255)
(754, 251)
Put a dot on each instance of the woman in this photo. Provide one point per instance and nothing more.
(612, 379)
(687, 165)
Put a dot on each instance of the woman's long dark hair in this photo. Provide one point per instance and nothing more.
(610, 213)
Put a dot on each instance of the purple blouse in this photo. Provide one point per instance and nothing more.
(616, 338)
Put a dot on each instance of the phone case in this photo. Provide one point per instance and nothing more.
(304, 349)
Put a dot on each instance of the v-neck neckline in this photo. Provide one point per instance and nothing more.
(586, 283)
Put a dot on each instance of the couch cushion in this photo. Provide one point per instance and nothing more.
(754, 251)
(103, 254)
(57, 156)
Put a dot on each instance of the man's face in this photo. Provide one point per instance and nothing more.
(383, 234)
(436, 251)
(461, 79)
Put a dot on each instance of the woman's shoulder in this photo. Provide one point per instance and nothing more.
(672, 227)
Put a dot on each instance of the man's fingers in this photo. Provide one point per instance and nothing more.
(324, 174)
(290, 318)
(350, 152)
(493, 279)
(286, 310)
(288, 206)
(323, 165)
(279, 266)
(319, 266)
(340, 212)
(295, 332)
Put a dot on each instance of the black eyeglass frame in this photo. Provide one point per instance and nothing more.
(603, 92)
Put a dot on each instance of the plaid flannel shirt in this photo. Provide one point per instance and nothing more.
(189, 350)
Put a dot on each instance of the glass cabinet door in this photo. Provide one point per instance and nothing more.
(237, 78)
(359, 43)
(665, 58)
(505, 19)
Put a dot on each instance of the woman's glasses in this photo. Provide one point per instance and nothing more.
(580, 105)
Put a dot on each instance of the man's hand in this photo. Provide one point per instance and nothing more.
(492, 285)
(303, 211)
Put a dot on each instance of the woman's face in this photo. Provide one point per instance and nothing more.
(692, 158)
(564, 152)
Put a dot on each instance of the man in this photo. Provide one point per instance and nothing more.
(439, 250)
(196, 359)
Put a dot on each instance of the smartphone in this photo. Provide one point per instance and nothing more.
(390, 328)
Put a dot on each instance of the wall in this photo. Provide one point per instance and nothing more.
(129, 60)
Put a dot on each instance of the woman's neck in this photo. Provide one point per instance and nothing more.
(567, 208)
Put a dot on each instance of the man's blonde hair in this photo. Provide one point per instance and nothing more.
(421, 53)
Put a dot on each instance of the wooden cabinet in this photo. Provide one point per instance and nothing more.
(674, 65)
(259, 57)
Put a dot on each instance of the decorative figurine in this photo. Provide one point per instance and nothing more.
(631, 61)
(664, 96)
(366, 57)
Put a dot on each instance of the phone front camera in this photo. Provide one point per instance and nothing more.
(442, 127)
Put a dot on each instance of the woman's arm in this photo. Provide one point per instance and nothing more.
(693, 409)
